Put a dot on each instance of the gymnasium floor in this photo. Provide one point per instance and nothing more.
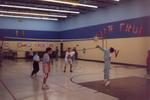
(16, 84)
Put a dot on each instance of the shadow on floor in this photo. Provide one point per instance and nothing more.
(131, 88)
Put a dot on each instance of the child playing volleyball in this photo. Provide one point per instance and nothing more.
(107, 63)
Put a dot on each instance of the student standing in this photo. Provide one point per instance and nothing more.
(107, 63)
(46, 67)
(56, 53)
(68, 59)
(36, 60)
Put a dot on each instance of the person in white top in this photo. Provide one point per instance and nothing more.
(68, 59)
(46, 67)
(36, 60)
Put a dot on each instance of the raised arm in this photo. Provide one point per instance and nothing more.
(102, 49)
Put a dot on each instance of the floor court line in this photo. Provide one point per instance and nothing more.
(8, 90)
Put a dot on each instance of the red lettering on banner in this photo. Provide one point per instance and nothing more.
(106, 30)
(98, 34)
(122, 27)
(135, 30)
(127, 27)
(141, 31)
(131, 28)
(110, 28)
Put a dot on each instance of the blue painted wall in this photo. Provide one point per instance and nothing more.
(137, 27)
(82, 26)
(12, 34)
(28, 24)
(28, 28)
(127, 9)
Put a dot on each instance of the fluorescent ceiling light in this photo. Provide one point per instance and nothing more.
(41, 9)
(72, 3)
(27, 17)
(34, 14)
(117, 0)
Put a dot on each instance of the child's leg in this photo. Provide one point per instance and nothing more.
(65, 67)
(106, 73)
(44, 85)
(106, 78)
(34, 70)
(45, 78)
(70, 63)
(33, 73)
(46, 70)
(37, 68)
(66, 62)
(70, 67)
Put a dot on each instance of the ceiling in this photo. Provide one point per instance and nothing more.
(50, 9)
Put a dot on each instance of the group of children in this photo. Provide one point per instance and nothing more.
(46, 65)
(69, 57)
(47, 62)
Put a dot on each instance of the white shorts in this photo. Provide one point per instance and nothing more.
(68, 61)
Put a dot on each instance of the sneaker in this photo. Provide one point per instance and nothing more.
(107, 83)
(45, 87)
(105, 80)
(71, 71)
(33, 76)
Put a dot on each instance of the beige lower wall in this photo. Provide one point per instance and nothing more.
(132, 50)
(22, 46)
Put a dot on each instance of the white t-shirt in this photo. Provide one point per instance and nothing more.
(69, 54)
(36, 58)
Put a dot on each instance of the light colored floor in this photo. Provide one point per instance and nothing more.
(16, 84)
